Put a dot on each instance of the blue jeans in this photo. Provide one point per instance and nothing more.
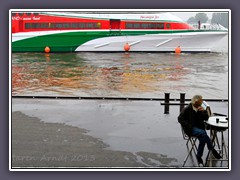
(203, 139)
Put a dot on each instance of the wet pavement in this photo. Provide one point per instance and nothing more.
(114, 133)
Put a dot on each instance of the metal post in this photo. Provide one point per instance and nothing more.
(182, 101)
(166, 106)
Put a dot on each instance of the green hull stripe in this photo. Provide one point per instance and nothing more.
(68, 42)
(63, 42)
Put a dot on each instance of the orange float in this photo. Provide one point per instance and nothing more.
(126, 47)
(178, 50)
(47, 49)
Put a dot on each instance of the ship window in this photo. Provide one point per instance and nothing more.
(136, 26)
(61, 25)
(144, 26)
(38, 25)
(150, 25)
(52, 25)
(89, 25)
(33, 25)
(74, 25)
(44, 25)
(81, 25)
(95, 25)
(58, 25)
(129, 25)
(30, 25)
(65, 25)
(27, 26)
(161, 26)
(168, 26)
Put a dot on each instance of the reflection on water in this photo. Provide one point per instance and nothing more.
(120, 74)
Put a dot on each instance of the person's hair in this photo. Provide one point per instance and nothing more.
(196, 98)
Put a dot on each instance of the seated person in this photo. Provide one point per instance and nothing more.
(192, 120)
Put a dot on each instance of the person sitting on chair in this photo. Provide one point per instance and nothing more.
(192, 120)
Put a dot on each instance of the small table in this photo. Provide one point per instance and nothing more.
(217, 124)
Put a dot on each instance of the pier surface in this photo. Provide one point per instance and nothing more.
(98, 134)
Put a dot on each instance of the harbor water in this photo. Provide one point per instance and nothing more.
(138, 75)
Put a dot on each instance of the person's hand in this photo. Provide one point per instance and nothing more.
(200, 108)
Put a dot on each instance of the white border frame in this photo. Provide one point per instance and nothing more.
(120, 168)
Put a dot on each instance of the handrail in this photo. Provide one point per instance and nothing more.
(112, 98)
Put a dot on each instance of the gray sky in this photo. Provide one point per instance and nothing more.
(186, 15)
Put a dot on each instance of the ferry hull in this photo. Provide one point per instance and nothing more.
(192, 42)
(81, 32)
(104, 42)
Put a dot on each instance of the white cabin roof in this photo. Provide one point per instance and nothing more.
(123, 16)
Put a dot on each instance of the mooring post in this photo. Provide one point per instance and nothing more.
(182, 101)
(166, 106)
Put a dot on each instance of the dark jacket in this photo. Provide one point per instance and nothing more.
(189, 118)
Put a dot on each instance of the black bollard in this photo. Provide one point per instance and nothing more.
(166, 106)
(182, 101)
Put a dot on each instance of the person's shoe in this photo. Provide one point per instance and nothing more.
(215, 154)
(199, 159)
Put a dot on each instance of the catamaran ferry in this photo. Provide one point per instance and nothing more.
(112, 32)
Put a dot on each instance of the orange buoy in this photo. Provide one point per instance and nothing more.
(47, 49)
(178, 50)
(126, 47)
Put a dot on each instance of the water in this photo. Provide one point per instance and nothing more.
(147, 75)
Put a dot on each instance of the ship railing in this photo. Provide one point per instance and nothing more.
(208, 26)
(213, 27)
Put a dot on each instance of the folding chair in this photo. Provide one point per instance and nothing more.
(192, 148)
